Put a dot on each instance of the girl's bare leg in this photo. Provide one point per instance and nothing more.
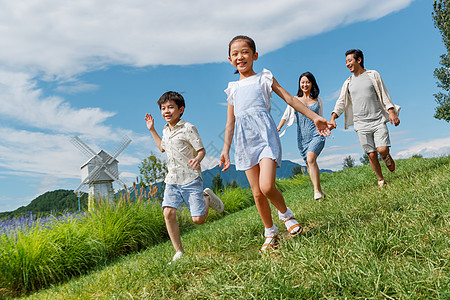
(267, 177)
(262, 205)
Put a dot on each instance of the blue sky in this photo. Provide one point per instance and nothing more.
(93, 69)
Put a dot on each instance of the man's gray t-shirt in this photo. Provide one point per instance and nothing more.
(367, 109)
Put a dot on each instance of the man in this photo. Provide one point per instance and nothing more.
(368, 106)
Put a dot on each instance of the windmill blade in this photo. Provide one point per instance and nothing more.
(83, 147)
(116, 177)
(96, 172)
(81, 190)
(92, 176)
(125, 142)
(111, 173)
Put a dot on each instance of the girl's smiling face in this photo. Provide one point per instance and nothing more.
(242, 57)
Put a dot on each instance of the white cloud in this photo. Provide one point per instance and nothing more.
(431, 148)
(39, 153)
(76, 87)
(23, 102)
(62, 38)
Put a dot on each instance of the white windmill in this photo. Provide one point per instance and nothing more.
(100, 171)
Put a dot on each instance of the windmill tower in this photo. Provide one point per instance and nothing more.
(100, 171)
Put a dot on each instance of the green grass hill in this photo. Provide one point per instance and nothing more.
(360, 242)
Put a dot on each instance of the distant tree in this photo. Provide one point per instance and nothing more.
(417, 156)
(297, 170)
(217, 184)
(441, 16)
(231, 185)
(348, 162)
(365, 159)
(152, 172)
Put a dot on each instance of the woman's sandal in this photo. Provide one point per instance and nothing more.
(271, 242)
(293, 226)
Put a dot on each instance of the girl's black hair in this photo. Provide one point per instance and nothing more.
(250, 42)
(314, 89)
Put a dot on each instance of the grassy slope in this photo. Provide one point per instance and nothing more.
(361, 242)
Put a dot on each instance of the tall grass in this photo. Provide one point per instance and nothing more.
(42, 254)
(37, 253)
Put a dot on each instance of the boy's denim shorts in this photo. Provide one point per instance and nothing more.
(191, 194)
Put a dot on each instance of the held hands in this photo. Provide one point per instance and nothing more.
(150, 122)
(323, 126)
(225, 161)
(332, 124)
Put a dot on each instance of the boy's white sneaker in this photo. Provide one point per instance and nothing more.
(176, 257)
(214, 201)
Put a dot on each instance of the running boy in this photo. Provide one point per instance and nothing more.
(368, 105)
(184, 183)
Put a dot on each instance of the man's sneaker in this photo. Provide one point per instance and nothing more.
(214, 201)
(381, 183)
(390, 163)
(176, 257)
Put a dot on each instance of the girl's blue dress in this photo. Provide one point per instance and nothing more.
(255, 132)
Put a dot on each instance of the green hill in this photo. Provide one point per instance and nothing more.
(50, 202)
(360, 242)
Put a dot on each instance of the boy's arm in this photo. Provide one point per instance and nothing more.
(151, 127)
(195, 162)
(320, 122)
(229, 131)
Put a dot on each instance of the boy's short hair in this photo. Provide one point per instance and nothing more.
(356, 54)
(174, 96)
